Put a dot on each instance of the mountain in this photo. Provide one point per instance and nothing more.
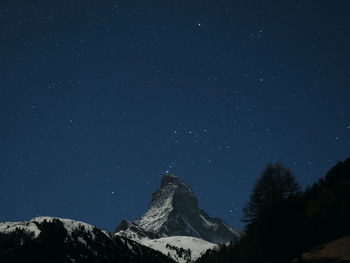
(174, 212)
(48, 239)
(173, 229)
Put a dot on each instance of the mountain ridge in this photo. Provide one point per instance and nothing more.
(53, 239)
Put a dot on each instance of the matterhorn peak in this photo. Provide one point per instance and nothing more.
(174, 211)
(170, 178)
(171, 181)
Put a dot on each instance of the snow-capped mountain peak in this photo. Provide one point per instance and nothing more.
(174, 211)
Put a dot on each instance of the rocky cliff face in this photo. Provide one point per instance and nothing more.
(174, 211)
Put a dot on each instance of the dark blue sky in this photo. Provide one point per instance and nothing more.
(99, 98)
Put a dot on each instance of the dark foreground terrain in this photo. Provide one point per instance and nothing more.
(283, 222)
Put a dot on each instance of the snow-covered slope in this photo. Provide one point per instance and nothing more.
(32, 225)
(182, 249)
(52, 239)
(174, 211)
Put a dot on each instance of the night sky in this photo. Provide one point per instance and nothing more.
(99, 98)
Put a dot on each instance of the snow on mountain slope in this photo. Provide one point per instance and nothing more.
(182, 249)
(159, 212)
(31, 225)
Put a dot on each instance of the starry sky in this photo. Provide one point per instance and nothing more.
(99, 98)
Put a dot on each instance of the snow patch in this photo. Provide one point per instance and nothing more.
(206, 223)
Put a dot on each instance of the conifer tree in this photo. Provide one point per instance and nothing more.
(276, 184)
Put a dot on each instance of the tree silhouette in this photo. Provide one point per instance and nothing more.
(276, 184)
